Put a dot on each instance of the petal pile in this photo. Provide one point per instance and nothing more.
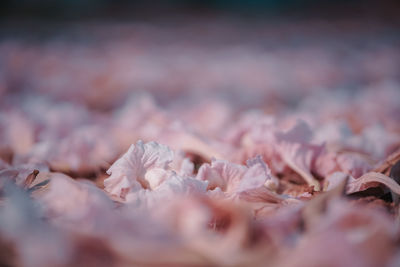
(162, 144)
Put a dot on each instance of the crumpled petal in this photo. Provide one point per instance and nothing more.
(334, 180)
(370, 179)
(353, 164)
(235, 179)
(134, 167)
(222, 174)
(256, 175)
(178, 136)
(182, 164)
(172, 186)
(282, 149)
(298, 153)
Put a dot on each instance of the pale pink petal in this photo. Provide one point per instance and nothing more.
(180, 137)
(182, 164)
(187, 168)
(258, 174)
(371, 179)
(353, 164)
(353, 235)
(260, 194)
(334, 180)
(222, 174)
(134, 165)
(245, 124)
(299, 157)
(326, 164)
(155, 155)
(299, 133)
(248, 182)
(177, 185)
(171, 187)
(67, 201)
(155, 176)
(297, 153)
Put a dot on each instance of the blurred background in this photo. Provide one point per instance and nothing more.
(250, 53)
(130, 9)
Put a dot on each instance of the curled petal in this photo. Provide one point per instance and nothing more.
(258, 174)
(234, 179)
(353, 164)
(297, 153)
(135, 165)
(369, 180)
(222, 174)
(173, 186)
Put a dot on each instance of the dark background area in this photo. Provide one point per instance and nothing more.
(131, 10)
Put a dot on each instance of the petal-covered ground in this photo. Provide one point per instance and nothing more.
(149, 145)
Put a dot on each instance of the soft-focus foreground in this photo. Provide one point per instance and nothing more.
(201, 144)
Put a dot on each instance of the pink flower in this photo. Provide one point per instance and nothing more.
(143, 175)
(240, 180)
(368, 180)
(142, 166)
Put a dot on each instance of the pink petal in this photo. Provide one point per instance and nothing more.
(222, 174)
(132, 167)
(370, 179)
(297, 153)
(353, 164)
